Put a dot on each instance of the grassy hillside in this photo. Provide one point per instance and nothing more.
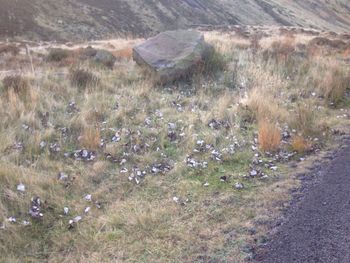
(129, 171)
(88, 19)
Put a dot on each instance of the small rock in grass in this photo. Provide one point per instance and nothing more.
(42, 144)
(73, 221)
(214, 124)
(62, 176)
(88, 198)
(65, 210)
(206, 184)
(253, 173)
(223, 178)
(12, 219)
(116, 106)
(21, 188)
(102, 143)
(217, 124)
(84, 155)
(200, 142)
(216, 155)
(171, 126)
(172, 136)
(124, 170)
(18, 146)
(77, 219)
(116, 137)
(286, 135)
(180, 201)
(25, 223)
(72, 107)
(159, 114)
(25, 127)
(162, 167)
(54, 148)
(239, 186)
(274, 168)
(191, 162)
(148, 121)
(87, 209)
(35, 208)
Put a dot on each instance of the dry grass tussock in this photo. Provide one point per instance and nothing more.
(90, 138)
(125, 53)
(9, 49)
(155, 173)
(335, 83)
(82, 78)
(300, 144)
(269, 136)
(16, 83)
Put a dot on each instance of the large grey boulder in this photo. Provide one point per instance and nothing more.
(172, 54)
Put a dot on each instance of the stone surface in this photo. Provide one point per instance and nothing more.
(172, 54)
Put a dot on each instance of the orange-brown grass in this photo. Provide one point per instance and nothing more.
(300, 144)
(125, 53)
(263, 106)
(90, 138)
(283, 49)
(269, 136)
(346, 53)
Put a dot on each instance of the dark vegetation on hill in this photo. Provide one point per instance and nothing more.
(89, 19)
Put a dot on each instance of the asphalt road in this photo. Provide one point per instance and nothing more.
(317, 226)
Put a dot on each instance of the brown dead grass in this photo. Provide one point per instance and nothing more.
(282, 50)
(8, 48)
(17, 83)
(330, 43)
(125, 53)
(269, 136)
(304, 120)
(300, 144)
(90, 138)
(335, 82)
(82, 78)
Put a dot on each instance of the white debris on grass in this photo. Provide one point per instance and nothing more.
(239, 186)
(65, 210)
(88, 197)
(12, 219)
(35, 208)
(21, 187)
